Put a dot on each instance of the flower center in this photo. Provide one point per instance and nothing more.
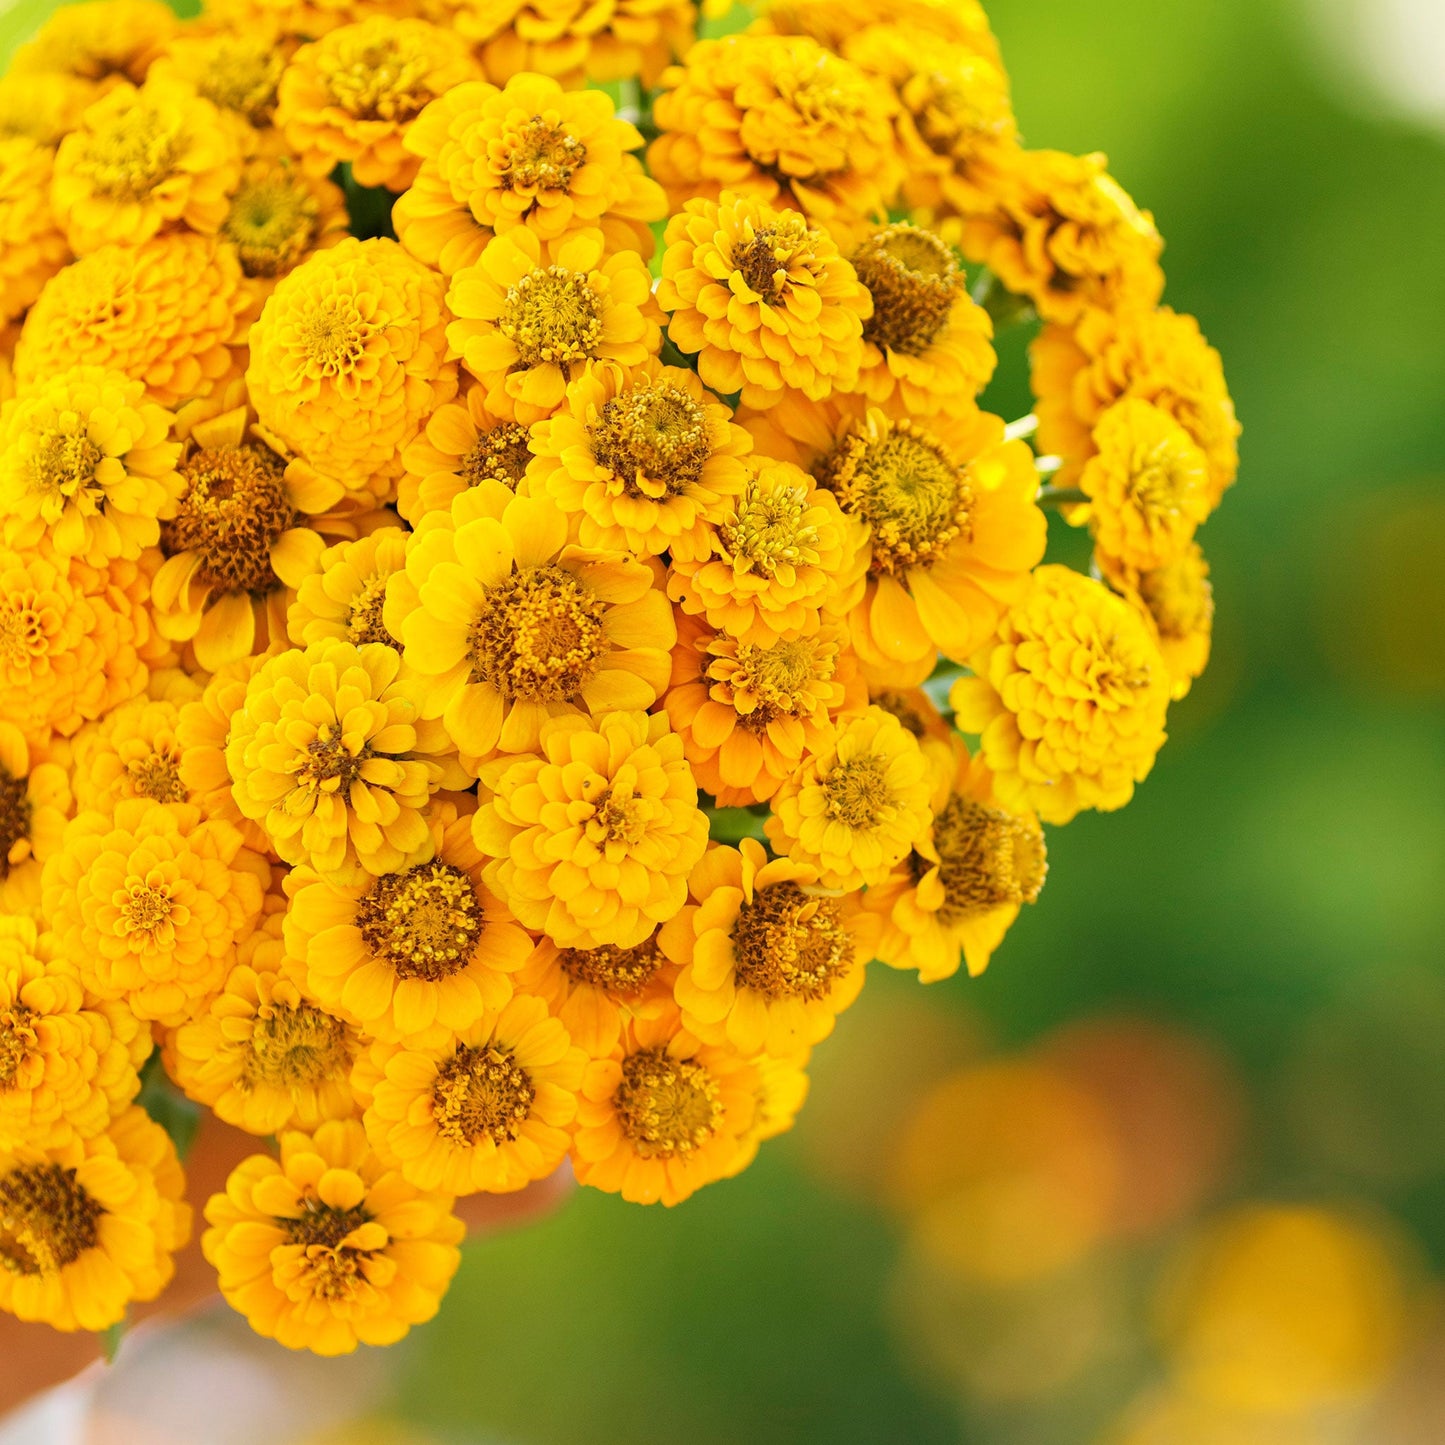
(499, 455)
(17, 1042)
(954, 113)
(26, 621)
(790, 944)
(233, 511)
(157, 775)
(243, 76)
(903, 709)
(272, 221)
(1178, 597)
(47, 1220)
(539, 636)
(767, 528)
(327, 765)
(14, 817)
(667, 1107)
(621, 971)
(62, 467)
(294, 1047)
(768, 257)
(147, 910)
(373, 80)
(987, 858)
(552, 316)
(132, 154)
(422, 923)
(763, 683)
(914, 279)
(857, 792)
(363, 622)
(332, 339)
(333, 1269)
(615, 818)
(537, 156)
(653, 439)
(482, 1093)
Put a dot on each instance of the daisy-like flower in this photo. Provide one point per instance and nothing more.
(190, 292)
(32, 245)
(86, 460)
(91, 1226)
(203, 729)
(780, 120)
(279, 215)
(35, 802)
(323, 754)
(531, 313)
(237, 71)
(529, 154)
(960, 889)
(417, 955)
(327, 1248)
(1178, 602)
(764, 300)
(1066, 235)
(349, 359)
(768, 960)
(592, 840)
(486, 1112)
(141, 161)
(1069, 699)
(854, 811)
(833, 22)
(506, 624)
(99, 42)
(749, 712)
(343, 597)
(663, 1114)
(639, 457)
(353, 95)
(132, 752)
(778, 1098)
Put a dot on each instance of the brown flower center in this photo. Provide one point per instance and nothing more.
(272, 221)
(47, 1220)
(63, 466)
(132, 154)
(295, 1047)
(914, 279)
(552, 316)
(17, 1042)
(499, 455)
(987, 858)
(482, 1093)
(424, 922)
(653, 439)
(767, 259)
(539, 636)
(537, 156)
(157, 775)
(790, 944)
(624, 972)
(764, 683)
(15, 812)
(335, 1270)
(900, 706)
(328, 765)
(243, 75)
(667, 1107)
(363, 622)
(857, 792)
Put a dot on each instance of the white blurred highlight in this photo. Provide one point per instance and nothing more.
(1389, 55)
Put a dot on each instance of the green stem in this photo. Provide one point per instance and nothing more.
(1061, 497)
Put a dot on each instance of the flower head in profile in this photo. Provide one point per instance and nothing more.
(343, 596)
(35, 802)
(32, 245)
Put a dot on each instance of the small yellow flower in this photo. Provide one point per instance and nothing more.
(855, 810)
(35, 803)
(32, 246)
(1178, 602)
(327, 1248)
(279, 216)
(133, 752)
(99, 42)
(237, 71)
(593, 839)
(343, 597)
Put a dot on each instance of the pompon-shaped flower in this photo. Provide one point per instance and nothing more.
(343, 595)
(87, 461)
(1068, 699)
(202, 730)
(35, 802)
(833, 22)
(768, 959)
(639, 458)
(463, 443)
(99, 42)
(779, 120)
(91, 1226)
(592, 840)
(279, 215)
(132, 752)
(663, 1114)
(67, 1063)
(529, 154)
(1065, 234)
(1178, 602)
(417, 955)
(487, 1111)
(531, 313)
(143, 160)
(763, 299)
(32, 246)
(188, 289)
(1157, 356)
(778, 1099)
(927, 346)
(854, 810)
(781, 555)
(353, 95)
(958, 892)
(323, 754)
(236, 70)
(749, 712)
(506, 624)
(349, 359)
(327, 1248)
(150, 903)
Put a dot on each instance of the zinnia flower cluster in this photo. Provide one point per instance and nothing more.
(509, 601)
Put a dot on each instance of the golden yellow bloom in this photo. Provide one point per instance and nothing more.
(35, 803)
(768, 959)
(132, 752)
(764, 300)
(236, 70)
(639, 458)
(748, 712)
(592, 841)
(202, 731)
(343, 596)
(171, 313)
(663, 1114)
(322, 753)
(506, 624)
(833, 22)
(530, 154)
(778, 1098)
(1156, 356)
(1069, 699)
(327, 1248)
(43, 107)
(1178, 602)
(141, 161)
(531, 313)
(353, 95)
(780, 120)
(348, 359)
(486, 1112)
(32, 246)
(854, 810)
(90, 1226)
(293, 20)
(99, 42)
(86, 461)
(279, 216)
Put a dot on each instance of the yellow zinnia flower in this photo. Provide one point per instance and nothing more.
(487, 1111)
(92, 1225)
(279, 216)
(99, 42)
(202, 731)
(132, 752)
(236, 70)
(1178, 602)
(529, 154)
(343, 596)
(592, 841)
(531, 313)
(86, 460)
(1069, 699)
(854, 810)
(32, 245)
(327, 1248)
(35, 802)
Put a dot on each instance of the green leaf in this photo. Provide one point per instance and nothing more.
(175, 1113)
